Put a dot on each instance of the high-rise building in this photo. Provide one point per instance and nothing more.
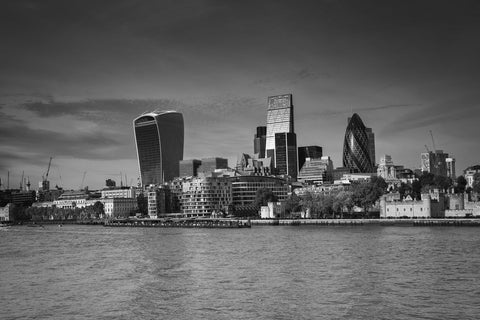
(159, 139)
(209, 165)
(189, 168)
(259, 142)
(434, 162)
(371, 145)
(312, 152)
(357, 147)
(279, 119)
(286, 154)
(450, 162)
(316, 171)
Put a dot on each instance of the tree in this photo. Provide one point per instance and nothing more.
(343, 200)
(461, 184)
(366, 194)
(263, 196)
(293, 203)
(98, 209)
(476, 183)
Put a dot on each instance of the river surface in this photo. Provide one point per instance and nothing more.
(266, 272)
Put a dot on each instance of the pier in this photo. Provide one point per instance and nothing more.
(361, 222)
(179, 223)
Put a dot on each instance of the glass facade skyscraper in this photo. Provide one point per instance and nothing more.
(279, 119)
(159, 137)
(357, 147)
(286, 154)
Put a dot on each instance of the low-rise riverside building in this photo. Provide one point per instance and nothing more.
(119, 193)
(244, 191)
(431, 205)
(203, 195)
(156, 201)
(331, 188)
(272, 210)
(6, 212)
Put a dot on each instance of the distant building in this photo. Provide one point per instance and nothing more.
(156, 201)
(247, 165)
(110, 183)
(272, 210)
(434, 162)
(203, 195)
(6, 212)
(119, 193)
(259, 142)
(209, 165)
(244, 190)
(331, 188)
(450, 162)
(279, 120)
(430, 206)
(189, 168)
(23, 198)
(469, 174)
(312, 152)
(340, 171)
(159, 139)
(118, 207)
(286, 154)
(387, 170)
(316, 171)
(371, 145)
(358, 146)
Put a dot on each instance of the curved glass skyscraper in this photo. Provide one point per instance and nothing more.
(357, 151)
(159, 139)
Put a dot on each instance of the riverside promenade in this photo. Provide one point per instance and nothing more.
(360, 222)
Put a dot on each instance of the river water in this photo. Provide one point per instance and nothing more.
(266, 272)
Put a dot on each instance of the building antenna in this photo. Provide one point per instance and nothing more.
(8, 180)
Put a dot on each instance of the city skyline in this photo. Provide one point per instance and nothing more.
(74, 76)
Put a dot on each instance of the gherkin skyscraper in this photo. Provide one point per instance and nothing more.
(357, 147)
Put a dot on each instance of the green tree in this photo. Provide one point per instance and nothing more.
(263, 196)
(98, 209)
(476, 183)
(461, 184)
(293, 203)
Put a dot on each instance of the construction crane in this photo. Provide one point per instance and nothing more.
(21, 181)
(433, 142)
(45, 183)
(83, 179)
(427, 149)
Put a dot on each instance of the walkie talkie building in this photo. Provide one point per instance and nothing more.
(356, 147)
(159, 137)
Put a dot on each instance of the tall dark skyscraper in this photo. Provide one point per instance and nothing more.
(259, 142)
(286, 154)
(159, 139)
(357, 147)
(279, 120)
(313, 152)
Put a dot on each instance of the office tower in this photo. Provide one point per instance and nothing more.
(356, 147)
(286, 154)
(371, 145)
(312, 152)
(189, 168)
(279, 119)
(450, 162)
(434, 162)
(259, 142)
(209, 165)
(316, 170)
(159, 140)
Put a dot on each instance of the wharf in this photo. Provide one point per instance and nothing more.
(361, 222)
(179, 223)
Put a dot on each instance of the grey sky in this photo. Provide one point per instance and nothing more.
(75, 73)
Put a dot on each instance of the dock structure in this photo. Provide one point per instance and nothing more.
(361, 222)
(179, 223)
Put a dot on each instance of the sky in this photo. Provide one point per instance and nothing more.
(74, 75)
